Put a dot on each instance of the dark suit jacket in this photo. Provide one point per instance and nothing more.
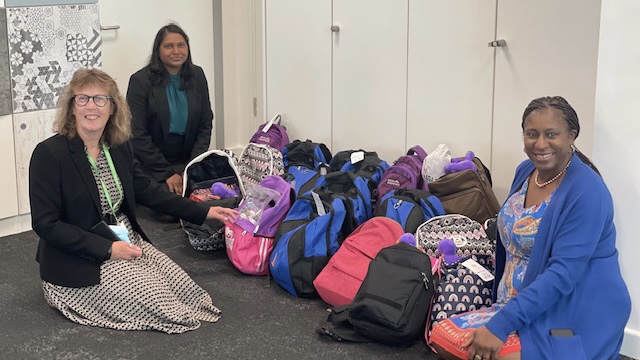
(65, 203)
(150, 110)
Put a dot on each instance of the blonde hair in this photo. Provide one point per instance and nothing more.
(118, 128)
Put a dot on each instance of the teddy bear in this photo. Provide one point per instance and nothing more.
(460, 164)
(217, 191)
(224, 191)
(448, 250)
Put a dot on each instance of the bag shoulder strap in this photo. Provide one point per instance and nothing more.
(338, 326)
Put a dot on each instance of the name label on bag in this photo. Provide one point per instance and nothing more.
(357, 156)
(482, 272)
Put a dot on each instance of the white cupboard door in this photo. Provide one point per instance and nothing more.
(9, 204)
(30, 128)
(450, 84)
(552, 49)
(298, 66)
(370, 76)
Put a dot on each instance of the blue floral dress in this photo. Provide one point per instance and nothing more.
(517, 226)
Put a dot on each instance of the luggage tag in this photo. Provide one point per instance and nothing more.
(482, 272)
(357, 156)
(121, 230)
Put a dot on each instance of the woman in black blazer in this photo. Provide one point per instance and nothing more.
(86, 176)
(172, 116)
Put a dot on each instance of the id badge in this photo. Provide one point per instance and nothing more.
(121, 230)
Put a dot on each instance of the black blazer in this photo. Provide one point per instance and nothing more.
(150, 109)
(65, 203)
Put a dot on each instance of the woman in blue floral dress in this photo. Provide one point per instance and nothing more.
(555, 249)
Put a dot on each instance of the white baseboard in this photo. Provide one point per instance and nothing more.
(15, 225)
(631, 343)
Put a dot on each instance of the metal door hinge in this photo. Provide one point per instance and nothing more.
(255, 106)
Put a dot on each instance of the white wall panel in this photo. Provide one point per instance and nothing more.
(298, 54)
(615, 144)
(9, 203)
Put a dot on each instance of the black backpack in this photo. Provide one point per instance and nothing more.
(393, 303)
(305, 162)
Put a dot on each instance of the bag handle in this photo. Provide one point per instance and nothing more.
(417, 150)
(275, 120)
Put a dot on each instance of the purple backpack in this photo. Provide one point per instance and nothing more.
(271, 133)
(405, 173)
(273, 216)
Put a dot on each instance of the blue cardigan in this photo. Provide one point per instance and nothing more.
(573, 279)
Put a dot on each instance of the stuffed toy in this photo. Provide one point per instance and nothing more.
(224, 191)
(460, 164)
(447, 249)
(408, 238)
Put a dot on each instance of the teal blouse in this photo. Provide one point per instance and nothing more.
(178, 106)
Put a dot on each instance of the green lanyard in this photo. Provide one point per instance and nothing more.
(113, 173)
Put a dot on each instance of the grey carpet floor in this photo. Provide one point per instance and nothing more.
(258, 322)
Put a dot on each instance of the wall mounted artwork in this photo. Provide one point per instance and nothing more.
(46, 45)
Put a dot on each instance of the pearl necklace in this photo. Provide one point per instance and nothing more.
(552, 179)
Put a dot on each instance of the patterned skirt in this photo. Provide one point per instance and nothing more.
(148, 293)
(451, 333)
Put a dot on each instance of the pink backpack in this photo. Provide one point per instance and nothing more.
(249, 246)
(339, 281)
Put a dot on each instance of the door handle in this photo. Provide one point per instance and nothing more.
(498, 43)
(335, 28)
(109, 27)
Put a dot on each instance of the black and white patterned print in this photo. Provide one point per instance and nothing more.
(258, 161)
(467, 234)
(171, 302)
(47, 44)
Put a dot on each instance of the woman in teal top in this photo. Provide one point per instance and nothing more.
(559, 290)
(171, 109)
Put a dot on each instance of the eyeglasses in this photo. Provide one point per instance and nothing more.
(99, 100)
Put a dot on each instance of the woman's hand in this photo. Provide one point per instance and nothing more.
(175, 184)
(221, 213)
(483, 345)
(122, 250)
